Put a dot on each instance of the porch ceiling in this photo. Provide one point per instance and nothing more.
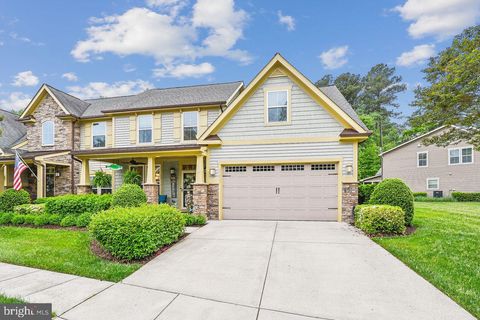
(156, 151)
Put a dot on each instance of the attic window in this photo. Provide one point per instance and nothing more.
(277, 106)
(48, 133)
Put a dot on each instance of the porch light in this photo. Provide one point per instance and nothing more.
(213, 172)
(349, 169)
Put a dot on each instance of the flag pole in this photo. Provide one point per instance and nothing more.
(16, 152)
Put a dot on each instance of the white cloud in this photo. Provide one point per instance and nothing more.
(439, 18)
(70, 76)
(103, 89)
(210, 29)
(418, 55)
(25, 79)
(334, 58)
(288, 21)
(184, 71)
(15, 100)
(129, 67)
(16, 36)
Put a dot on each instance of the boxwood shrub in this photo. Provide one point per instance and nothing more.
(466, 196)
(365, 191)
(194, 219)
(394, 192)
(6, 217)
(30, 209)
(83, 220)
(29, 218)
(18, 219)
(134, 233)
(54, 219)
(11, 198)
(380, 219)
(76, 205)
(41, 219)
(129, 195)
(68, 221)
(419, 194)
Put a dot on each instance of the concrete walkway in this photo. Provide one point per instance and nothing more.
(249, 270)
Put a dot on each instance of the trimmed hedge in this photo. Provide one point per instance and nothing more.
(18, 219)
(11, 198)
(29, 218)
(365, 191)
(6, 217)
(194, 219)
(129, 195)
(394, 192)
(76, 205)
(30, 209)
(68, 221)
(466, 196)
(432, 199)
(83, 220)
(134, 233)
(419, 194)
(54, 219)
(41, 220)
(380, 219)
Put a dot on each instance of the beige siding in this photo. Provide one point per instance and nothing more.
(212, 115)
(402, 163)
(308, 119)
(86, 134)
(122, 132)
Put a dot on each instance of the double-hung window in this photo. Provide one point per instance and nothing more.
(48, 135)
(277, 106)
(145, 128)
(422, 159)
(460, 155)
(99, 134)
(190, 125)
(433, 183)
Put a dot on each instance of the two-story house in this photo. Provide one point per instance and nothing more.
(278, 148)
(432, 168)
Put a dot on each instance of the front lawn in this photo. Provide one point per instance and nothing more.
(58, 250)
(445, 249)
(9, 300)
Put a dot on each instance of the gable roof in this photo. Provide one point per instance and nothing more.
(74, 105)
(13, 131)
(413, 140)
(330, 98)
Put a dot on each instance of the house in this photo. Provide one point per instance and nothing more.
(432, 169)
(279, 148)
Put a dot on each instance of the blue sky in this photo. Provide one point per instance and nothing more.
(107, 48)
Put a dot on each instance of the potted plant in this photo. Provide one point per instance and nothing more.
(132, 177)
(101, 180)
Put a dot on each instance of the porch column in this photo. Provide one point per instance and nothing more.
(200, 194)
(200, 174)
(2, 178)
(40, 180)
(84, 187)
(150, 186)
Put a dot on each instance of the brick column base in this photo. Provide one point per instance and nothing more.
(212, 202)
(200, 195)
(151, 190)
(84, 188)
(349, 201)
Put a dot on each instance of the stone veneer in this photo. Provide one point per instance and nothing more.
(151, 190)
(84, 188)
(349, 201)
(200, 198)
(212, 201)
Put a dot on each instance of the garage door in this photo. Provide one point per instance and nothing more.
(281, 192)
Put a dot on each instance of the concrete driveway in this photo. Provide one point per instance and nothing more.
(272, 270)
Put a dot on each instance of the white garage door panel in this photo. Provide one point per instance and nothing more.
(280, 194)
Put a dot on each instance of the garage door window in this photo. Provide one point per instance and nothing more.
(263, 168)
(323, 167)
(235, 169)
(293, 167)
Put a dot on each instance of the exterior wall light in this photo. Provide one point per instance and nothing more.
(213, 172)
(349, 169)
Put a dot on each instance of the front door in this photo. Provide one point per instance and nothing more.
(188, 181)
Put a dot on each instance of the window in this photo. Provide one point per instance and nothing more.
(190, 120)
(460, 155)
(145, 124)
(263, 168)
(98, 134)
(293, 167)
(235, 169)
(422, 159)
(277, 106)
(48, 133)
(433, 183)
(323, 166)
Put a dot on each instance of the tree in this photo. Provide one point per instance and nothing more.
(349, 84)
(101, 180)
(452, 97)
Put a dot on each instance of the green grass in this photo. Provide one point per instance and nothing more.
(58, 250)
(445, 249)
(5, 299)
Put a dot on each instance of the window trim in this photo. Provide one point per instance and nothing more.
(53, 134)
(438, 183)
(105, 134)
(138, 128)
(418, 160)
(460, 157)
(182, 127)
(266, 91)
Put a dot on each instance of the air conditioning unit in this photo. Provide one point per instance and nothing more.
(438, 194)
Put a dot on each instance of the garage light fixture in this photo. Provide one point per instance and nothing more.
(349, 169)
(213, 172)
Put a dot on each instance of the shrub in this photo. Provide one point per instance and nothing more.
(83, 220)
(40, 200)
(41, 220)
(466, 196)
(432, 199)
(134, 233)
(30, 209)
(194, 219)
(365, 191)
(68, 221)
(129, 195)
(11, 198)
(29, 218)
(6, 217)
(18, 219)
(380, 219)
(394, 192)
(54, 219)
(419, 194)
(78, 204)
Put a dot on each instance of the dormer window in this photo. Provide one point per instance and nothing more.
(145, 128)
(99, 134)
(48, 135)
(277, 106)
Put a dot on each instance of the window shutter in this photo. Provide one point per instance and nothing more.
(157, 127)
(133, 129)
(87, 135)
(203, 122)
(176, 125)
(109, 134)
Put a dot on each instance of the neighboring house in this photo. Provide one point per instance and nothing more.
(433, 168)
(279, 148)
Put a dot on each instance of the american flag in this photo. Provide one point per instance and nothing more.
(20, 166)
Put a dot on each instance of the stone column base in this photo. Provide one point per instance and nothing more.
(212, 202)
(151, 190)
(349, 201)
(200, 197)
(84, 189)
